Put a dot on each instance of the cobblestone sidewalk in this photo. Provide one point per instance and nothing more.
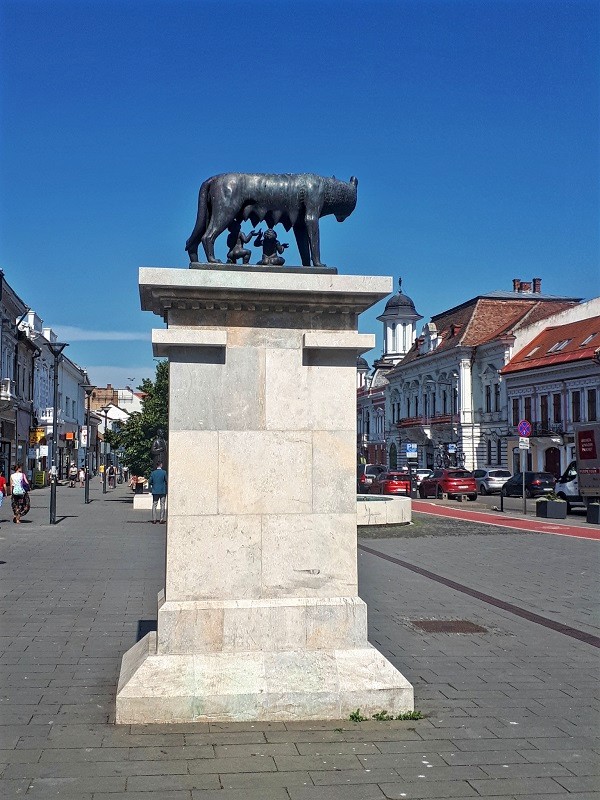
(510, 712)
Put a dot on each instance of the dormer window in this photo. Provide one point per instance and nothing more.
(588, 339)
(535, 349)
(558, 346)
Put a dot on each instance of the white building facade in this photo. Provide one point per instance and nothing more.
(447, 395)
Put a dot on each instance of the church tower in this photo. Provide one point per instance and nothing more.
(399, 327)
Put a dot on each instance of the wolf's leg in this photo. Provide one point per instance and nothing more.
(312, 228)
(301, 235)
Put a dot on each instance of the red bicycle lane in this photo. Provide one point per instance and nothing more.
(504, 521)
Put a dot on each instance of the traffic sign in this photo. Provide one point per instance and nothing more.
(411, 450)
(524, 428)
(523, 442)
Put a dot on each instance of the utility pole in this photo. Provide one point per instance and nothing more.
(105, 410)
(88, 450)
(56, 349)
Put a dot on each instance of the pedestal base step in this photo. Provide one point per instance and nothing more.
(251, 686)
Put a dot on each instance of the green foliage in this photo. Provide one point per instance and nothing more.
(136, 435)
(356, 716)
(550, 496)
(410, 715)
(383, 716)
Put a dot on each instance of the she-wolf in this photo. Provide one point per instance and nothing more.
(295, 201)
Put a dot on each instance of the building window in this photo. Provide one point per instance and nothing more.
(455, 401)
(544, 411)
(444, 402)
(528, 409)
(576, 406)
(556, 408)
(416, 406)
(408, 406)
(496, 397)
(592, 411)
(499, 452)
(433, 405)
(489, 452)
(488, 399)
(515, 411)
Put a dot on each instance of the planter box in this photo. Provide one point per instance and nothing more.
(551, 509)
(593, 514)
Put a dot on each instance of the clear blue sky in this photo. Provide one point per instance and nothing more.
(472, 127)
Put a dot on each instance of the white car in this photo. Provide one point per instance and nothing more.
(422, 473)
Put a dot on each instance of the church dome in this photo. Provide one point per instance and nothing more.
(362, 363)
(401, 306)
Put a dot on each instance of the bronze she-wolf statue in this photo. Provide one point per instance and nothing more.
(295, 201)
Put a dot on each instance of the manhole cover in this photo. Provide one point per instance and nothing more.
(448, 626)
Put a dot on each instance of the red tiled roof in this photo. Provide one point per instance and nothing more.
(485, 319)
(537, 355)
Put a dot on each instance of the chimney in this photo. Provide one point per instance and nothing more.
(537, 285)
(516, 284)
(525, 286)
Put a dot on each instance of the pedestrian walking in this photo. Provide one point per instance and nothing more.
(72, 475)
(111, 477)
(3, 487)
(158, 486)
(81, 477)
(19, 492)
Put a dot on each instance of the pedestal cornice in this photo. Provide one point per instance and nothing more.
(162, 289)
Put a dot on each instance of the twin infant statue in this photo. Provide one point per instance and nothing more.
(272, 248)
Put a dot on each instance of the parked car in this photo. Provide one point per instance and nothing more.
(536, 484)
(365, 475)
(391, 483)
(567, 487)
(490, 481)
(453, 482)
(422, 473)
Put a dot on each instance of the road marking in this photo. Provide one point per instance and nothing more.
(560, 627)
(515, 523)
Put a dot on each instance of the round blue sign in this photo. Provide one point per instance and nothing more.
(524, 428)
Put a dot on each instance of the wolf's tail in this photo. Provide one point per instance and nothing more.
(193, 242)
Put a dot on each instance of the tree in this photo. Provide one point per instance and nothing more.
(137, 434)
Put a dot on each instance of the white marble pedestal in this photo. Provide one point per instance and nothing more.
(260, 618)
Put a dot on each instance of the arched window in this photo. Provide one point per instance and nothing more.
(499, 452)
(489, 452)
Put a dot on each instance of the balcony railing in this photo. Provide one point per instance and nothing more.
(7, 390)
(437, 419)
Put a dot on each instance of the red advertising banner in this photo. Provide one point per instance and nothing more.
(587, 441)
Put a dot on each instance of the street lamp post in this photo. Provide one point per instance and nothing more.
(56, 349)
(105, 410)
(88, 450)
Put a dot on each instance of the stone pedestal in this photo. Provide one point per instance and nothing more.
(260, 618)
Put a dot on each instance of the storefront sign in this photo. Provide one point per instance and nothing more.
(36, 435)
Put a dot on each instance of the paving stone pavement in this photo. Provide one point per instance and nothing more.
(511, 713)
